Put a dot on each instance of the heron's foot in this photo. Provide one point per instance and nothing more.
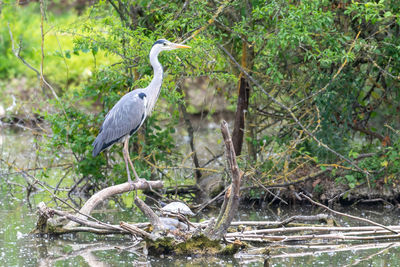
(132, 184)
(144, 181)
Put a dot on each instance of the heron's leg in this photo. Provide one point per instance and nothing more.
(126, 145)
(126, 158)
(137, 179)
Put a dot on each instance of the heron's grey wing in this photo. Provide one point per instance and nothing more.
(123, 119)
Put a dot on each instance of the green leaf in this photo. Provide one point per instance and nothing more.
(388, 14)
(375, 95)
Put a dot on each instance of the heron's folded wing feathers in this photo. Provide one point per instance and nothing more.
(123, 119)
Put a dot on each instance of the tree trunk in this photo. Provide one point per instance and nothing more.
(243, 101)
(242, 106)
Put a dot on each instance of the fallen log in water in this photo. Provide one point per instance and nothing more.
(291, 232)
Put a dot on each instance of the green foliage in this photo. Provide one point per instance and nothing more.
(24, 23)
(72, 131)
(103, 32)
(370, 11)
(383, 166)
(335, 64)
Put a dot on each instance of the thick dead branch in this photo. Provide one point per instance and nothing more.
(45, 227)
(303, 218)
(290, 238)
(44, 214)
(281, 234)
(326, 249)
(359, 230)
(100, 196)
(136, 231)
(231, 200)
(149, 213)
(86, 222)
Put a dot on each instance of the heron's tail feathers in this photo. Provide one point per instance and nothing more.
(98, 145)
(102, 142)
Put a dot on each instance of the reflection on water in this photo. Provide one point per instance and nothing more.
(18, 248)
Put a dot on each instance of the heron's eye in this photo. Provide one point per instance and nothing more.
(164, 44)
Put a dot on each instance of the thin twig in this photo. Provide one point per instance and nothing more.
(369, 257)
(211, 201)
(209, 22)
(348, 215)
(269, 191)
(17, 52)
(42, 79)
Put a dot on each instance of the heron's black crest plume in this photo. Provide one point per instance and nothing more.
(161, 41)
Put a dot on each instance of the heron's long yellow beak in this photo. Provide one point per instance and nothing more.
(181, 46)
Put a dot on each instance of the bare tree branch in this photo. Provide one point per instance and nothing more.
(231, 200)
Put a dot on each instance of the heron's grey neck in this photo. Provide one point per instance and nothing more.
(154, 88)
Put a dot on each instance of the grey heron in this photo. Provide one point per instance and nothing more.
(129, 113)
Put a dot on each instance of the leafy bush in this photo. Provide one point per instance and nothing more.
(334, 63)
